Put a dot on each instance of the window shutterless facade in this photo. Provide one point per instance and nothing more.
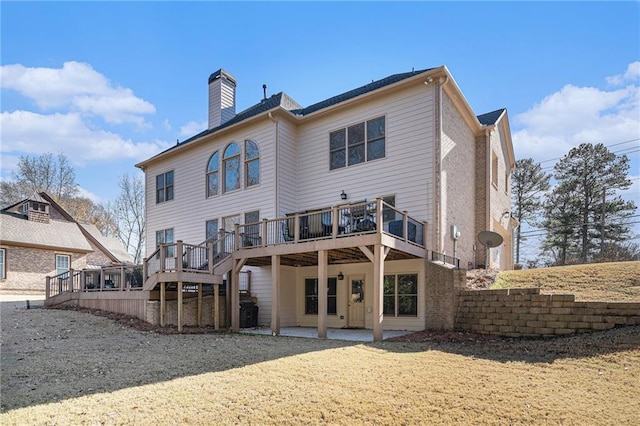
(164, 187)
(400, 295)
(165, 236)
(357, 143)
(311, 296)
(251, 163)
(63, 263)
(231, 168)
(213, 175)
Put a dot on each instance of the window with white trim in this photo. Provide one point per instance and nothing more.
(357, 144)
(3, 264)
(211, 228)
(400, 297)
(231, 168)
(213, 175)
(164, 187)
(251, 163)
(165, 236)
(494, 169)
(63, 263)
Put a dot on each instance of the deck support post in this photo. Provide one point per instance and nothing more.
(199, 305)
(233, 279)
(163, 302)
(322, 294)
(275, 295)
(216, 306)
(179, 306)
(379, 255)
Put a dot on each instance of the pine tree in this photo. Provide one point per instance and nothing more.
(528, 185)
(592, 213)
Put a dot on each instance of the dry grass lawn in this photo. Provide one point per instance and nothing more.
(611, 282)
(66, 367)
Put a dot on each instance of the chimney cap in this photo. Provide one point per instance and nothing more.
(222, 74)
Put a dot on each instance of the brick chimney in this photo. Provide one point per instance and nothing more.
(222, 98)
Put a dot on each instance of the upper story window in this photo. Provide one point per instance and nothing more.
(357, 143)
(164, 187)
(494, 169)
(213, 175)
(252, 163)
(231, 167)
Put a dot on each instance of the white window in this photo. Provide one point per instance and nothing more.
(251, 163)
(164, 187)
(401, 295)
(63, 263)
(494, 169)
(357, 143)
(211, 228)
(213, 176)
(231, 167)
(165, 236)
(3, 265)
(229, 222)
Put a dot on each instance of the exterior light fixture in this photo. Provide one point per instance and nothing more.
(343, 195)
(340, 276)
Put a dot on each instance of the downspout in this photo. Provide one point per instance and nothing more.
(277, 154)
(438, 243)
(487, 179)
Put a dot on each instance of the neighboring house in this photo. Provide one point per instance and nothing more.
(433, 175)
(38, 238)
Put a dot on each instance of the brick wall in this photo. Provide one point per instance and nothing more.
(189, 311)
(526, 312)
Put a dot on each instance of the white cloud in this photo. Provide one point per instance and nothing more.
(631, 74)
(32, 133)
(574, 115)
(192, 128)
(79, 87)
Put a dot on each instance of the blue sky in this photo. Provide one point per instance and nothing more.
(109, 84)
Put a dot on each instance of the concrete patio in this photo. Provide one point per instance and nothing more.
(348, 334)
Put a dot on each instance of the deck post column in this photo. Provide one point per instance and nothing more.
(179, 306)
(216, 306)
(322, 294)
(233, 279)
(48, 288)
(275, 294)
(123, 278)
(199, 305)
(163, 302)
(378, 280)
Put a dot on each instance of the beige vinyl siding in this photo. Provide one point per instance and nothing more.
(288, 295)
(406, 170)
(458, 182)
(188, 212)
(366, 270)
(288, 178)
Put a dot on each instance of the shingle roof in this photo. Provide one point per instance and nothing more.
(285, 101)
(490, 117)
(114, 246)
(56, 233)
(359, 91)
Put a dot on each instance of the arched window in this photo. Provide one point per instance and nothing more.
(231, 168)
(213, 178)
(251, 163)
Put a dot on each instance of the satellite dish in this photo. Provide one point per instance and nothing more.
(489, 239)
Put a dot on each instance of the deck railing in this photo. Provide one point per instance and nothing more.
(445, 259)
(336, 222)
(107, 278)
(199, 258)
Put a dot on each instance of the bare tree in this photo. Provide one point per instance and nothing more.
(128, 212)
(46, 173)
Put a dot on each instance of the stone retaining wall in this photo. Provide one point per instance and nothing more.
(525, 312)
